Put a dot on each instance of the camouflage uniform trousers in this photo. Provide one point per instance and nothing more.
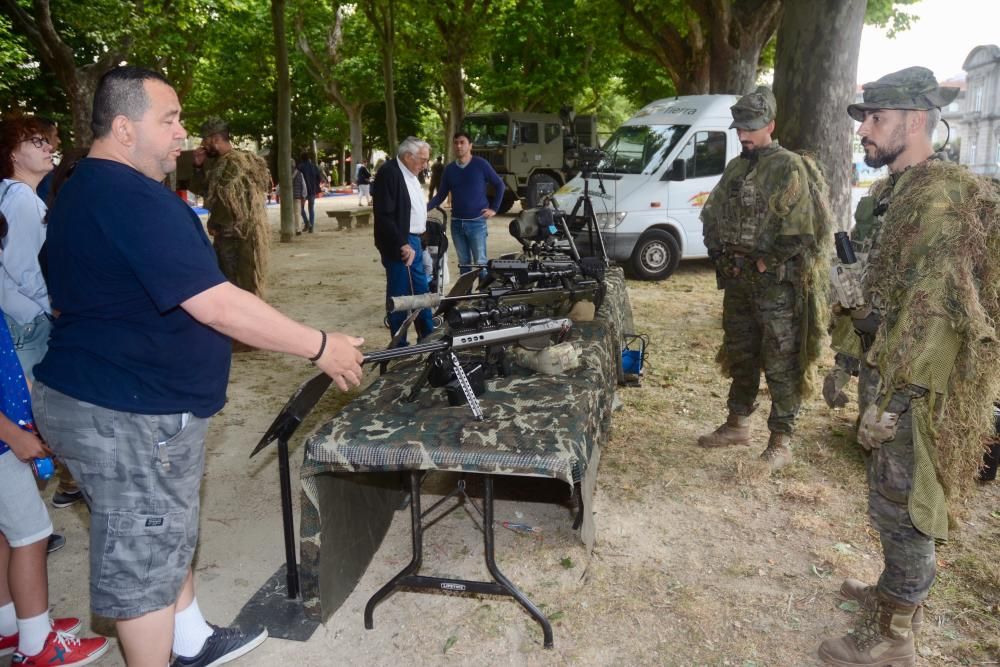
(237, 262)
(908, 554)
(761, 329)
(141, 478)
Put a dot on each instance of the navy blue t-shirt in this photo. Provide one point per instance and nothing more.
(124, 252)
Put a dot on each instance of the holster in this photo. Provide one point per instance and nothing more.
(846, 282)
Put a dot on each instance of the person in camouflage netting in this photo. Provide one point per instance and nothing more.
(932, 279)
(767, 226)
(235, 188)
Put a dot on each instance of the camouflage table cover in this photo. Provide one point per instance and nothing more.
(535, 425)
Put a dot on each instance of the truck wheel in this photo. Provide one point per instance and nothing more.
(540, 185)
(656, 255)
(508, 200)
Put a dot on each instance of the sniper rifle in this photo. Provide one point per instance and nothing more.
(490, 332)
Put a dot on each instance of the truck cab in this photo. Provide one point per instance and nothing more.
(648, 191)
(528, 150)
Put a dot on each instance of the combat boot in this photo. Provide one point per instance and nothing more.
(736, 431)
(866, 596)
(882, 637)
(779, 451)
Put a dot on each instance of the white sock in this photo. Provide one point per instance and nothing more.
(190, 631)
(8, 620)
(33, 631)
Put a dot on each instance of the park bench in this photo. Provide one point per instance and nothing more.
(348, 219)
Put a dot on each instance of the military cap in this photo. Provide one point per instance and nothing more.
(214, 125)
(754, 110)
(912, 88)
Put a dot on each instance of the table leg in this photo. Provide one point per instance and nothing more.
(491, 564)
(417, 534)
(409, 578)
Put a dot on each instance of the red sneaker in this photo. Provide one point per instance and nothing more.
(63, 649)
(9, 644)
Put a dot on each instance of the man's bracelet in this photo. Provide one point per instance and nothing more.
(322, 348)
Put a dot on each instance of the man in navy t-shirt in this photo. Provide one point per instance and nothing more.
(137, 363)
(466, 179)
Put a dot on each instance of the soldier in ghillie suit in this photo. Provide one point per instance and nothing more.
(235, 187)
(932, 280)
(767, 226)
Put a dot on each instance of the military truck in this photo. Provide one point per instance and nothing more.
(529, 150)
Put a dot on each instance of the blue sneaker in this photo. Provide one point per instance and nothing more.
(222, 646)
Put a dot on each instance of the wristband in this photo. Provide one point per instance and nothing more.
(322, 348)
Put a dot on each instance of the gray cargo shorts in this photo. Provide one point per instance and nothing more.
(141, 476)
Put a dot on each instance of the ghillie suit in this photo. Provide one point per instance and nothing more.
(235, 188)
(934, 274)
(815, 284)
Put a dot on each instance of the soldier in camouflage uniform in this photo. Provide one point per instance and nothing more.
(759, 230)
(930, 279)
(235, 186)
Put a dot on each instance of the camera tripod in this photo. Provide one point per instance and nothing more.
(589, 217)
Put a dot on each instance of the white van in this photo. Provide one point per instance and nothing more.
(660, 166)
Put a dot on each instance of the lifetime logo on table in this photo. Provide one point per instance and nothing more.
(450, 586)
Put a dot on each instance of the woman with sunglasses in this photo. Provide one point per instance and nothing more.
(25, 158)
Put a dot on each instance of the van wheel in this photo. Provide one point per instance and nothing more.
(508, 200)
(656, 255)
(540, 185)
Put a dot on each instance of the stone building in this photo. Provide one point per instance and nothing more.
(980, 113)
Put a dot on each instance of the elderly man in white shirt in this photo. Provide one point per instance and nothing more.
(400, 219)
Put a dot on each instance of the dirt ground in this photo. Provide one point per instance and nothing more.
(700, 558)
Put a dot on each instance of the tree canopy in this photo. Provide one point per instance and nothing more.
(364, 74)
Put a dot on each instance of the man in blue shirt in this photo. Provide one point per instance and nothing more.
(466, 179)
(137, 363)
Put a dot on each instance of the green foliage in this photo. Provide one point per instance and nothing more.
(235, 75)
(599, 56)
(889, 14)
(411, 86)
(15, 62)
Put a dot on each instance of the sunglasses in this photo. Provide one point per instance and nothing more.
(38, 142)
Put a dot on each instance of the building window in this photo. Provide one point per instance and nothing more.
(972, 152)
(979, 99)
(998, 151)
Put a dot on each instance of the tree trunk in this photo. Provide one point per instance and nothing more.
(814, 80)
(696, 76)
(392, 134)
(454, 86)
(354, 118)
(734, 71)
(80, 91)
(382, 15)
(284, 129)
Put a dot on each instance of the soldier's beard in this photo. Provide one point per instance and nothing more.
(887, 154)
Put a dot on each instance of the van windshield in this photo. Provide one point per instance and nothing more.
(486, 131)
(640, 149)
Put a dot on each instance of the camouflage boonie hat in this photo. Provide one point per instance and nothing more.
(754, 110)
(213, 125)
(912, 88)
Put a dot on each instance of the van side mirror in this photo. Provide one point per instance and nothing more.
(677, 171)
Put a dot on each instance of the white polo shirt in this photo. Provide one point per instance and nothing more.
(418, 204)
